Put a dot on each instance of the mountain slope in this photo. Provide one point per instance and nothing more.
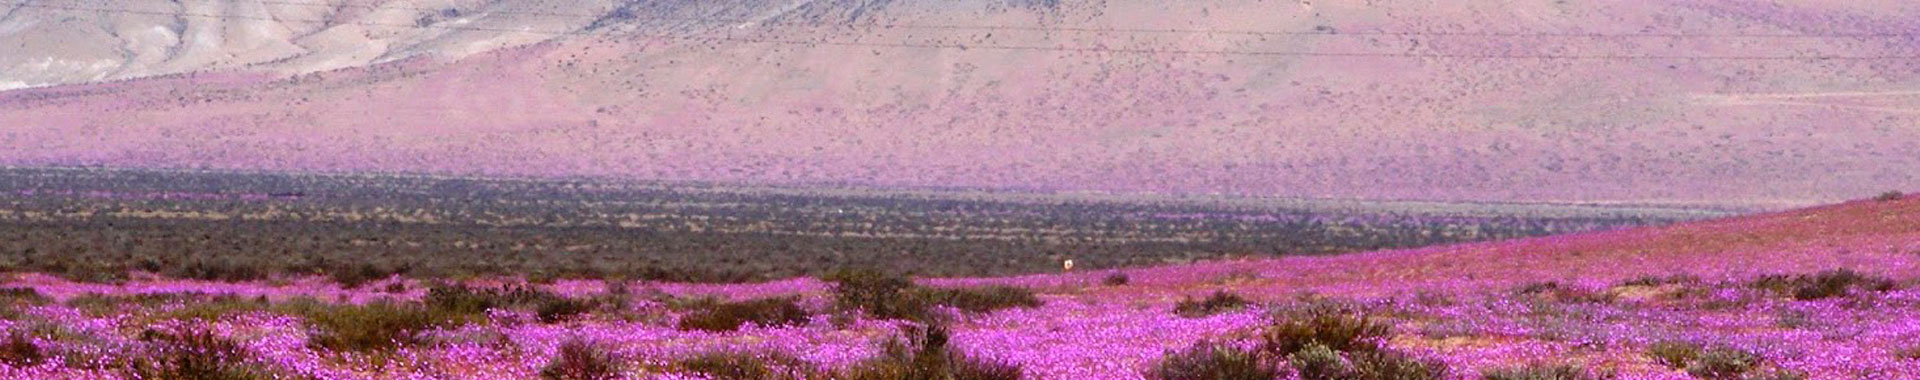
(1876, 237)
(1722, 102)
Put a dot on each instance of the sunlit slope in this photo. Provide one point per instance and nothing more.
(1723, 102)
(1880, 237)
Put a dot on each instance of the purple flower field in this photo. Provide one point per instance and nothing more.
(1826, 293)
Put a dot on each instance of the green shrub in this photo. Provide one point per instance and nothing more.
(1541, 372)
(982, 299)
(1394, 365)
(193, 354)
(729, 316)
(879, 294)
(353, 276)
(227, 269)
(1332, 329)
(1214, 361)
(1220, 301)
(457, 298)
(1722, 364)
(1826, 284)
(1319, 362)
(1910, 352)
(893, 296)
(20, 351)
(578, 360)
(1652, 280)
(1674, 354)
(21, 295)
(1116, 279)
(560, 309)
(1557, 292)
(926, 356)
(1890, 196)
(736, 365)
(375, 326)
(1776, 374)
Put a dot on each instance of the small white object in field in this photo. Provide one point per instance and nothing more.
(1068, 265)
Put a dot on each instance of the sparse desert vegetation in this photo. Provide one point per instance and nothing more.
(104, 225)
(1521, 310)
(959, 190)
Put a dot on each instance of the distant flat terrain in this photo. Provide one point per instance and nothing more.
(236, 226)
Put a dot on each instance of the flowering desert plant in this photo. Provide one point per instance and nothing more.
(729, 316)
(578, 359)
(925, 354)
(1542, 372)
(1207, 360)
(1220, 301)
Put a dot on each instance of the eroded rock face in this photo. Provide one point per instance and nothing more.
(1711, 102)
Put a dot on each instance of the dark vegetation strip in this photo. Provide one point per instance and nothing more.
(99, 225)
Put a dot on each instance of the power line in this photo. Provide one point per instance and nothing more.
(1154, 31)
(953, 46)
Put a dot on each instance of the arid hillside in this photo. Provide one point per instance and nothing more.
(1726, 102)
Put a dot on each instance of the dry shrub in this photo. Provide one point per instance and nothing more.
(579, 360)
(376, 326)
(20, 351)
(982, 299)
(1332, 329)
(1556, 292)
(1542, 372)
(1826, 284)
(1215, 361)
(925, 355)
(191, 353)
(1220, 301)
(730, 316)
(895, 296)
(739, 365)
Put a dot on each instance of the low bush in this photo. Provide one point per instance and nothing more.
(561, 309)
(1319, 362)
(1718, 363)
(20, 351)
(737, 365)
(1909, 352)
(196, 354)
(1542, 372)
(1722, 364)
(578, 360)
(1826, 284)
(352, 276)
(1557, 292)
(1776, 374)
(730, 316)
(894, 296)
(457, 298)
(1890, 196)
(879, 294)
(1116, 279)
(375, 326)
(981, 299)
(1394, 365)
(1674, 354)
(21, 295)
(925, 355)
(1220, 301)
(1652, 280)
(1215, 361)
(1332, 329)
(229, 269)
